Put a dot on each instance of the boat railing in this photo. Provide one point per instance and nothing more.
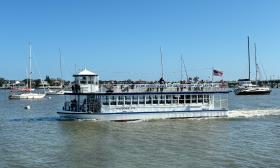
(221, 104)
(211, 87)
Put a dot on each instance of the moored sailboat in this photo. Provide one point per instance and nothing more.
(27, 93)
(61, 91)
(245, 85)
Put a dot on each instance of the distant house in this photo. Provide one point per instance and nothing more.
(44, 83)
(56, 83)
(14, 84)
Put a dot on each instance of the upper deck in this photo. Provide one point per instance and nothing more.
(169, 88)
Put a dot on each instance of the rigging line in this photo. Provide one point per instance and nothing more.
(40, 76)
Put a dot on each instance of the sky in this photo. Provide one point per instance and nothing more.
(121, 39)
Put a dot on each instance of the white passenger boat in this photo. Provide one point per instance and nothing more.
(90, 100)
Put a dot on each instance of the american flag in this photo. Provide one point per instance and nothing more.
(217, 73)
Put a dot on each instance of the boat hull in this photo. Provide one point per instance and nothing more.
(61, 92)
(132, 116)
(27, 96)
(267, 92)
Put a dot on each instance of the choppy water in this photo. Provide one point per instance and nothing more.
(249, 137)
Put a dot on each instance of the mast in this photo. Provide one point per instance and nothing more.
(30, 53)
(256, 64)
(184, 66)
(161, 63)
(60, 67)
(181, 67)
(249, 58)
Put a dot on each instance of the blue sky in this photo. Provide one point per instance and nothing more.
(120, 39)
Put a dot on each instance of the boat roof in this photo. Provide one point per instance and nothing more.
(243, 80)
(85, 72)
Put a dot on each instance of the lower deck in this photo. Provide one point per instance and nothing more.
(132, 116)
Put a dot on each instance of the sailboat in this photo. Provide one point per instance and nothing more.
(28, 93)
(245, 85)
(61, 91)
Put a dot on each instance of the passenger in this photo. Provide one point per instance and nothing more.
(74, 105)
(73, 88)
(78, 88)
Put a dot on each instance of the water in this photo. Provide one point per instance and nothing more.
(249, 137)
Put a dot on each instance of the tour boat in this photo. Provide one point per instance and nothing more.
(130, 102)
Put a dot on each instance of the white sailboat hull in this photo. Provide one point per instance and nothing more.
(27, 96)
(60, 92)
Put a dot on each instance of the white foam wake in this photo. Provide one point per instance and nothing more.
(253, 113)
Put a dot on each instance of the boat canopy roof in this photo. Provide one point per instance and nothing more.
(85, 72)
(240, 80)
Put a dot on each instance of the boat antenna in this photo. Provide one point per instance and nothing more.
(161, 63)
(256, 64)
(249, 58)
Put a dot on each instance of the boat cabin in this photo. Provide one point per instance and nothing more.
(85, 82)
(244, 82)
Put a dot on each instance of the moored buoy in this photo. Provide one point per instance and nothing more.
(27, 107)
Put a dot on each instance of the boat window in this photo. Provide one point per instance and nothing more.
(206, 98)
(105, 100)
(127, 100)
(120, 100)
(194, 98)
(83, 80)
(181, 99)
(187, 99)
(148, 99)
(134, 99)
(162, 99)
(175, 99)
(200, 98)
(155, 99)
(141, 99)
(168, 99)
(112, 100)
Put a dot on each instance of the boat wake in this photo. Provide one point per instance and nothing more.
(253, 113)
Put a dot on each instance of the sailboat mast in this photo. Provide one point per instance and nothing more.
(60, 67)
(161, 63)
(256, 63)
(249, 58)
(30, 72)
(181, 68)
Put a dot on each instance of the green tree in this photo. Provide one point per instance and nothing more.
(2, 81)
